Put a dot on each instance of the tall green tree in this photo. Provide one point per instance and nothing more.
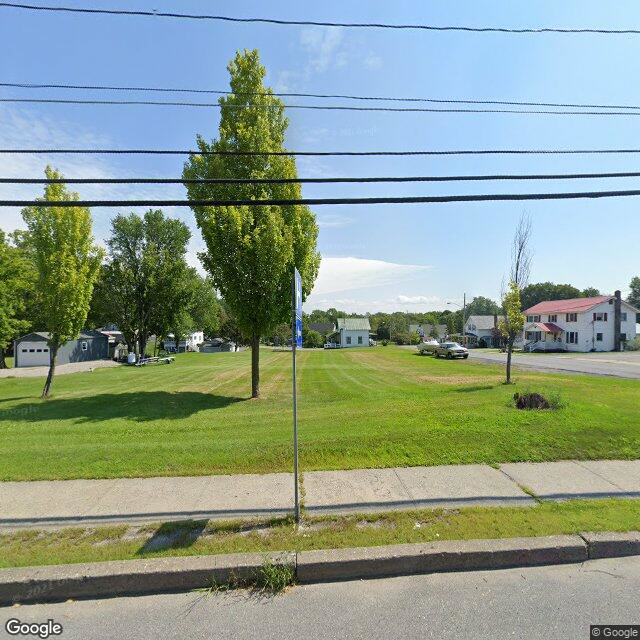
(634, 294)
(481, 306)
(143, 282)
(252, 251)
(16, 282)
(67, 263)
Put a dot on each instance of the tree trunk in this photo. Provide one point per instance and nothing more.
(509, 352)
(255, 366)
(3, 362)
(53, 352)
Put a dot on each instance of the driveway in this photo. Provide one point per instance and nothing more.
(620, 365)
(61, 369)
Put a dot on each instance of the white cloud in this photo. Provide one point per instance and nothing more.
(417, 299)
(324, 47)
(29, 129)
(333, 221)
(349, 273)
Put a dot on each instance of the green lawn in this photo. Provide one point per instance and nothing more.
(376, 407)
(32, 547)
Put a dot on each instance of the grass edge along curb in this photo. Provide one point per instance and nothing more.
(274, 572)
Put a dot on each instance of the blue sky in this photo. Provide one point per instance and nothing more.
(412, 257)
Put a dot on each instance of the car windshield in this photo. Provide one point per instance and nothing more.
(451, 345)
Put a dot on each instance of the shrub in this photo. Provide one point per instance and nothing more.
(632, 345)
(313, 339)
(385, 342)
(533, 400)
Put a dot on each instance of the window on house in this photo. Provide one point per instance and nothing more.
(46, 350)
(359, 339)
(623, 337)
(553, 318)
(533, 318)
(600, 317)
(623, 316)
(32, 350)
(572, 317)
(598, 337)
(572, 337)
(84, 346)
(38, 350)
(348, 339)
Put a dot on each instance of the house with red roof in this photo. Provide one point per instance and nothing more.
(600, 323)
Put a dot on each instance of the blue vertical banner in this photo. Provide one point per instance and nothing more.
(297, 305)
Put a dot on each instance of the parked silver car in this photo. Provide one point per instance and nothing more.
(451, 350)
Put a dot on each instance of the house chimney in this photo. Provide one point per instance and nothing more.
(495, 321)
(617, 321)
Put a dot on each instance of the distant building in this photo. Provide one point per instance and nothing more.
(426, 330)
(482, 331)
(580, 324)
(352, 332)
(323, 328)
(32, 350)
(191, 342)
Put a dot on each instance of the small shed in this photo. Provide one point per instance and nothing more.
(32, 350)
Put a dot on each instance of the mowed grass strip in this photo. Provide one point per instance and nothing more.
(64, 546)
(358, 408)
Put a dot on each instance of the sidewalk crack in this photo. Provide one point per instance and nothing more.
(595, 473)
(405, 487)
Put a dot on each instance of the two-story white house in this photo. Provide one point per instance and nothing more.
(352, 332)
(580, 324)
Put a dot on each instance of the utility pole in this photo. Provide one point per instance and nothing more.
(464, 319)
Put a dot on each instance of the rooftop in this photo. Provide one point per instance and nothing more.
(354, 324)
(574, 305)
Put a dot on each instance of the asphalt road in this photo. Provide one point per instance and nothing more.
(543, 602)
(620, 365)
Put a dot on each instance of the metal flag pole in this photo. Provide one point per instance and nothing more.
(296, 340)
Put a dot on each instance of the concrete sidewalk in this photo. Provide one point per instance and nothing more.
(134, 500)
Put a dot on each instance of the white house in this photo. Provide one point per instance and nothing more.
(482, 330)
(352, 332)
(580, 324)
(192, 342)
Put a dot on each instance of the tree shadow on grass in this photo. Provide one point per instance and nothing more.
(475, 387)
(139, 406)
(173, 535)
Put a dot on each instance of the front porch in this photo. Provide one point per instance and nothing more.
(542, 337)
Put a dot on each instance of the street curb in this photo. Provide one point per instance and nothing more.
(447, 555)
(131, 577)
(158, 575)
(612, 545)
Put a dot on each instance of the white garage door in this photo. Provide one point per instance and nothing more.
(33, 354)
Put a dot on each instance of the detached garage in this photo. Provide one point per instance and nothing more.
(32, 350)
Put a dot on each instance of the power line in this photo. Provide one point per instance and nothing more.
(358, 180)
(258, 94)
(445, 152)
(315, 23)
(314, 107)
(322, 201)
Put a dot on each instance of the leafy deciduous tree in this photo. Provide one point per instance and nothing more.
(252, 251)
(16, 280)
(67, 263)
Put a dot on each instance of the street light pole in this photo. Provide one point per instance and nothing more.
(464, 313)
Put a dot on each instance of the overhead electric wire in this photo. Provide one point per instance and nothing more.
(496, 197)
(291, 94)
(313, 107)
(198, 152)
(357, 180)
(315, 23)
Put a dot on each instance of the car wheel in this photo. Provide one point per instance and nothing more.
(449, 356)
(465, 356)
